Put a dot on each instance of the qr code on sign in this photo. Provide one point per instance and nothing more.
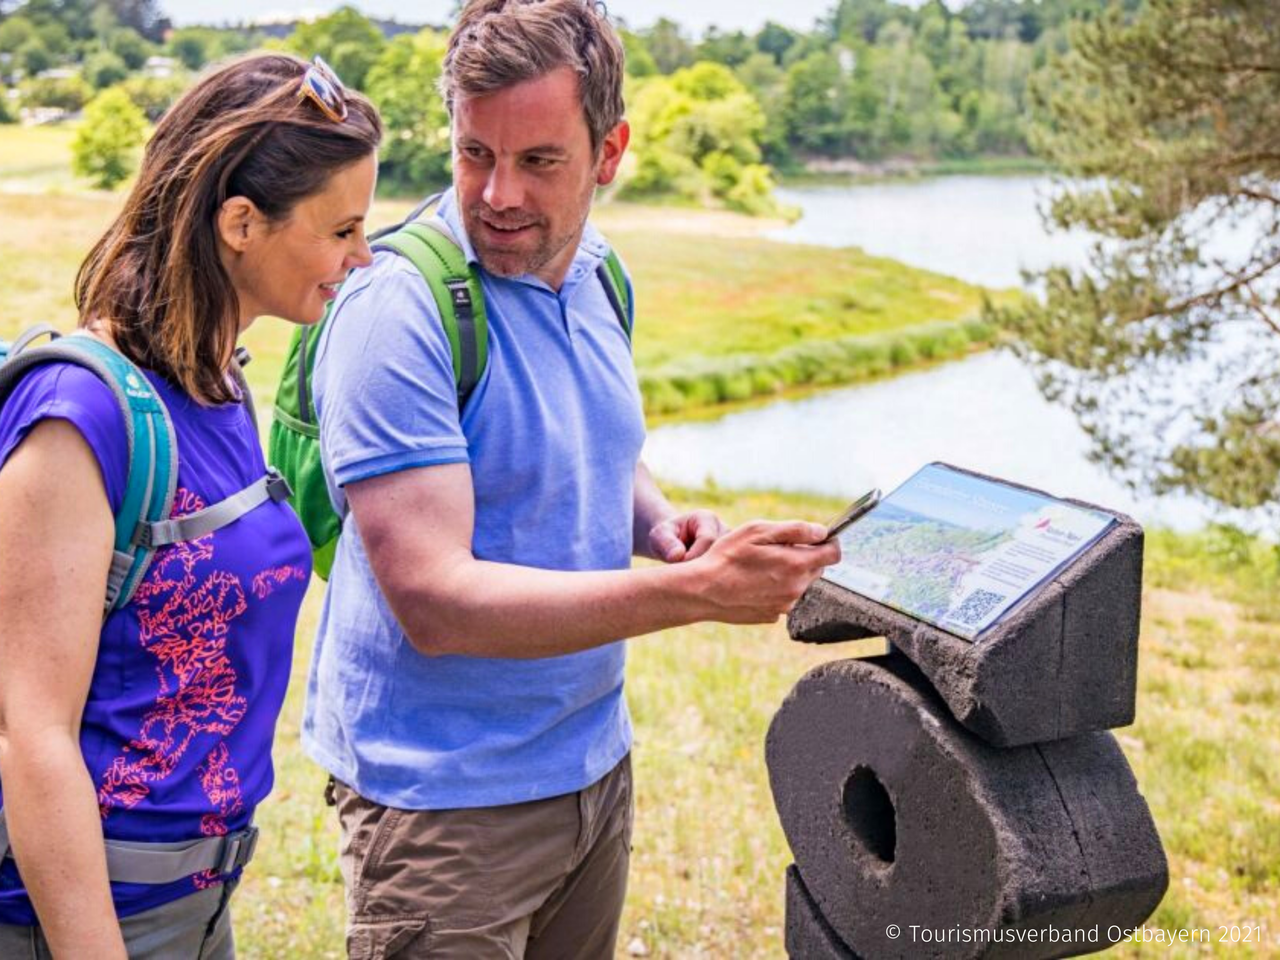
(974, 608)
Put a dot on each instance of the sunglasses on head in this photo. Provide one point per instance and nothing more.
(322, 87)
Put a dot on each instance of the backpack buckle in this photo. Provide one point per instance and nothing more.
(278, 488)
(238, 849)
(142, 535)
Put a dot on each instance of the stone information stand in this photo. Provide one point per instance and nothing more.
(969, 790)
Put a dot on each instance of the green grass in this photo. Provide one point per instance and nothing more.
(707, 872)
(1208, 731)
(709, 856)
(37, 159)
(716, 297)
(741, 331)
(986, 167)
(723, 314)
(699, 382)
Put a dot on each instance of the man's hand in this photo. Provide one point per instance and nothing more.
(685, 537)
(758, 571)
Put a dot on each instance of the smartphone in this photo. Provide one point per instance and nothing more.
(856, 509)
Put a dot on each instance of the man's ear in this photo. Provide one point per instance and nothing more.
(611, 151)
(236, 219)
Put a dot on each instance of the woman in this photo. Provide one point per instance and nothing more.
(155, 725)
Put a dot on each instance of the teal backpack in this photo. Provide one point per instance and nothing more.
(455, 286)
(143, 524)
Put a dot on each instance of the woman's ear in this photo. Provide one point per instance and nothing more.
(236, 219)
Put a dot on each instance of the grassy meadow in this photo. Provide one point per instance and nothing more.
(723, 315)
(707, 871)
(706, 877)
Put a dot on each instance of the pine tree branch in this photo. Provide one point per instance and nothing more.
(1260, 195)
(1240, 280)
(1251, 159)
(1220, 67)
(1261, 309)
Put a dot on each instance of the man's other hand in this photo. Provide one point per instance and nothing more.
(757, 572)
(685, 537)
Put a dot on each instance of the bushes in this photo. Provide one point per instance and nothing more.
(105, 69)
(104, 146)
(402, 82)
(58, 93)
(154, 95)
(697, 136)
(706, 381)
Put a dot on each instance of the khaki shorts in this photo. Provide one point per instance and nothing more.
(545, 879)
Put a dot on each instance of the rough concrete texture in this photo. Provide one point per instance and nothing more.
(809, 936)
(897, 815)
(1064, 663)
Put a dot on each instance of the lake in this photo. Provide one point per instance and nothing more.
(984, 413)
(981, 229)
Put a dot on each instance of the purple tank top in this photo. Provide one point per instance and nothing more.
(191, 675)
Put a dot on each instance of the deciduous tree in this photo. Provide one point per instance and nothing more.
(347, 40)
(415, 151)
(107, 140)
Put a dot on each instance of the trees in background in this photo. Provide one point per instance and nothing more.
(402, 82)
(696, 134)
(874, 79)
(107, 141)
(67, 94)
(1168, 119)
(194, 47)
(346, 40)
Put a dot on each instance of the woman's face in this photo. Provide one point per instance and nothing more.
(292, 268)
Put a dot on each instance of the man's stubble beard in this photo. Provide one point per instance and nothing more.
(546, 251)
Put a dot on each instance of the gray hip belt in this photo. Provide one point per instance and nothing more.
(145, 861)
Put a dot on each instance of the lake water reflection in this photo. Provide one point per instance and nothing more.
(981, 229)
(984, 413)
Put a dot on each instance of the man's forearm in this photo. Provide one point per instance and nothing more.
(487, 609)
(417, 532)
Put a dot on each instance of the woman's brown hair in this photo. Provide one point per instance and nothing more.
(155, 279)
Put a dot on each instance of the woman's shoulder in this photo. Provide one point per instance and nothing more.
(62, 388)
(68, 391)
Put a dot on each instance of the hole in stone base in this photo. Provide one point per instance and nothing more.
(869, 812)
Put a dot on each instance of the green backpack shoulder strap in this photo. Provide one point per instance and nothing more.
(456, 289)
(614, 280)
(295, 433)
(153, 452)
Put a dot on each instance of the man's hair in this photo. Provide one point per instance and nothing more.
(499, 43)
(155, 279)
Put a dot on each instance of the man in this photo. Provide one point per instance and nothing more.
(466, 692)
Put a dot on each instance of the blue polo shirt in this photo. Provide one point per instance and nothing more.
(552, 433)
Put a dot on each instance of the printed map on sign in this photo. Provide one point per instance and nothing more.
(960, 551)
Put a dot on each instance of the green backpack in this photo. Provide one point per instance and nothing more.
(295, 433)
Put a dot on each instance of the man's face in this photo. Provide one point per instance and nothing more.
(525, 174)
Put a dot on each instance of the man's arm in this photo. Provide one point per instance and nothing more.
(660, 533)
(417, 526)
